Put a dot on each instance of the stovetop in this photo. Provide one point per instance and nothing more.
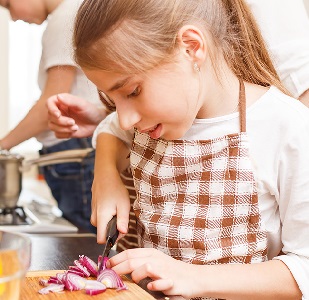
(14, 216)
(34, 215)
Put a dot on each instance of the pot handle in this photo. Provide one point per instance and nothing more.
(67, 156)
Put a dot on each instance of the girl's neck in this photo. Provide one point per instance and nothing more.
(219, 92)
(220, 96)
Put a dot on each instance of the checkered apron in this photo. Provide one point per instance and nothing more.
(197, 199)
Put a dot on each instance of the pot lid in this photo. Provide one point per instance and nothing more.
(7, 155)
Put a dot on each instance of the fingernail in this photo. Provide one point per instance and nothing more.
(59, 96)
(108, 264)
(71, 122)
(75, 127)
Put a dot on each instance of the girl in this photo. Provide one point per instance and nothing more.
(70, 183)
(218, 152)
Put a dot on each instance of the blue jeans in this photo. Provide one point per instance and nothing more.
(70, 183)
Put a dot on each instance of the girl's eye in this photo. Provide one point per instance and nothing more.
(135, 93)
(108, 102)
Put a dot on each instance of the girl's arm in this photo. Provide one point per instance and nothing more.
(109, 195)
(268, 280)
(59, 80)
(304, 98)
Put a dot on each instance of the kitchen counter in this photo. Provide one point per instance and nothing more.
(58, 252)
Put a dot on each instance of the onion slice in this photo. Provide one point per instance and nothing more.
(54, 288)
(74, 282)
(94, 287)
(88, 263)
(111, 279)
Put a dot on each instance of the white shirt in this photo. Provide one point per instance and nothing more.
(57, 50)
(285, 27)
(278, 131)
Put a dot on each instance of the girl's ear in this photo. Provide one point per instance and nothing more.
(192, 42)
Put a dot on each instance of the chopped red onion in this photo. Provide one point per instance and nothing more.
(89, 264)
(111, 279)
(74, 280)
(82, 268)
(94, 287)
(43, 282)
(54, 288)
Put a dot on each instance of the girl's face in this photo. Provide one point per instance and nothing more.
(162, 102)
(30, 11)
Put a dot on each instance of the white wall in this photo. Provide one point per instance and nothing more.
(4, 89)
(24, 56)
(20, 52)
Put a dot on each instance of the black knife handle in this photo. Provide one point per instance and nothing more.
(112, 231)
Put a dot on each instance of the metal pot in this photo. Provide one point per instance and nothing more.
(12, 166)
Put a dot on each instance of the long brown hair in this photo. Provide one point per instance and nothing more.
(133, 36)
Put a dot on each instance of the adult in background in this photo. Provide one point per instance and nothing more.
(70, 183)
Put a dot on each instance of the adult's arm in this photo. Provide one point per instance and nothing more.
(59, 80)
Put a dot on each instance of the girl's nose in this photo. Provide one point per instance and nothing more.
(128, 118)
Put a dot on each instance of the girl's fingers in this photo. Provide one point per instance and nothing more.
(160, 285)
(149, 270)
(123, 212)
(145, 270)
(129, 260)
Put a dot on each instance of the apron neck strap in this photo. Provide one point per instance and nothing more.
(242, 106)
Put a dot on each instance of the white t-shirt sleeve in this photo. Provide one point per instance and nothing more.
(285, 27)
(57, 39)
(294, 201)
(111, 126)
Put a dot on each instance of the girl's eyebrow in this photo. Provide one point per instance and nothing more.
(119, 84)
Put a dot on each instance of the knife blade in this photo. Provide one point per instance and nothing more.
(111, 238)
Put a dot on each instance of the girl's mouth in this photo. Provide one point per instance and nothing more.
(155, 133)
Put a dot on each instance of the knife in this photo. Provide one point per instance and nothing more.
(111, 237)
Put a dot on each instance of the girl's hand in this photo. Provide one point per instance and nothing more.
(109, 197)
(171, 276)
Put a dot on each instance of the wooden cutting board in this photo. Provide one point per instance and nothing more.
(31, 287)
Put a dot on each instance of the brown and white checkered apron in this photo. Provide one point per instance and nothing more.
(197, 199)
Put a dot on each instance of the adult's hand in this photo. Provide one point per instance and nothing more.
(70, 116)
